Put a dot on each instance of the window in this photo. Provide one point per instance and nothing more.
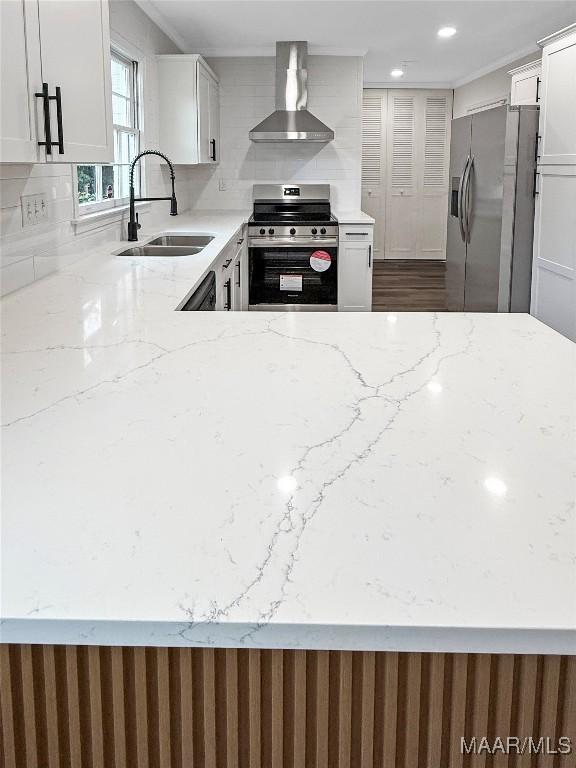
(105, 186)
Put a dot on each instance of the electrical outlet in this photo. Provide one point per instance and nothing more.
(222, 185)
(35, 210)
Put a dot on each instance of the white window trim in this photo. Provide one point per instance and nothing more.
(114, 210)
(100, 219)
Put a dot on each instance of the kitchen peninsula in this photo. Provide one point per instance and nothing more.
(372, 507)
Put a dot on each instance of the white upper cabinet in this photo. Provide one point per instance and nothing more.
(189, 110)
(75, 45)
(208, 115)
(56, 93)
(558, 94)
(21, 75)
(525, 86)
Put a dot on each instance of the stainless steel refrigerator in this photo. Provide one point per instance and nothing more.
(491, 210)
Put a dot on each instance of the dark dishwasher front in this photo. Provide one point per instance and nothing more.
(204, 297)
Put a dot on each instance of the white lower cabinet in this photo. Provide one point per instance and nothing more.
(355, 262)
(238, 275)
(56, 102)
(231, 276)
(554, 264)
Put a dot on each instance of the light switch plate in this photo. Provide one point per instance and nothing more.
(35, 210)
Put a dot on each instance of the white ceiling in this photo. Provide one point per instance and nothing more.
(491, 33)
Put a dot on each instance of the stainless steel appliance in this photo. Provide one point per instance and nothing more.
(491, 216)
(292, 248)
(291, 120)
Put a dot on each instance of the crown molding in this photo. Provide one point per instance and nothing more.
(154, 15)
(518, 54)
(480, 106)
(525, 67)
(269, 51)
(571, 28)
(388, 85)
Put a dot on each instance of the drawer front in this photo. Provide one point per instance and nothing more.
(356, 234)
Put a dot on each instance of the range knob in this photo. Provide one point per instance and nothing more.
(323, 231)
(292, 231)
(314, 231)
(262, 231)
(270, 231)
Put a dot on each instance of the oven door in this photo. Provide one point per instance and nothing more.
(292, 274)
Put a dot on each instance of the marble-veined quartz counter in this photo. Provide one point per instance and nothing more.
(302, 480)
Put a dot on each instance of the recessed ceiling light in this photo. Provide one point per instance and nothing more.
(397, 73)
(446, 31)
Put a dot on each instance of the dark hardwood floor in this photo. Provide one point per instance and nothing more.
(408, 286)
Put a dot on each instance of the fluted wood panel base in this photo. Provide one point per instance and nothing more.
(100, 707)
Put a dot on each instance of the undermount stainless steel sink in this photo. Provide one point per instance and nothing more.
(170, 245)
(199, 241)
(160, 250)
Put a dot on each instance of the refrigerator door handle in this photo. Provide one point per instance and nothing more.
(461, 200)
(466, 202)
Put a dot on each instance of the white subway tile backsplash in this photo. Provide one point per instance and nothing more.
(14, 276)
(53, 187)
(247, 96)
(25, 171)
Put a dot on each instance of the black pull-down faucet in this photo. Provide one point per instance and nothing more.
(133, 224)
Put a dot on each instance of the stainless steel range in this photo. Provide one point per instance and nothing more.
(293, 248)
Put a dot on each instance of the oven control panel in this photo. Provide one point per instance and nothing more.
(318, 232)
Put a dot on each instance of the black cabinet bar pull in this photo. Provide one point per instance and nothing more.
(213, 149)
(46, 99)
(228, 288)
(369, 256)
(538, 81)
(46, 107)
(58, 99)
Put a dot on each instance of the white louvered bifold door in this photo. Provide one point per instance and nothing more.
(374, 106)
(401, 191)
(433, 208)
(417, 173)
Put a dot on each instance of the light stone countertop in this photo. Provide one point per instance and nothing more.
(302, 480)
(353, 217)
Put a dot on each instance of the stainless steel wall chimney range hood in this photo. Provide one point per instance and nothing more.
(291, 121)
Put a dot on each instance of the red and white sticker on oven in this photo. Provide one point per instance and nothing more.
(320, 261)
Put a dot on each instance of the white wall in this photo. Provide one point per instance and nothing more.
(488, 88)
(247, 97)
(29, 254)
